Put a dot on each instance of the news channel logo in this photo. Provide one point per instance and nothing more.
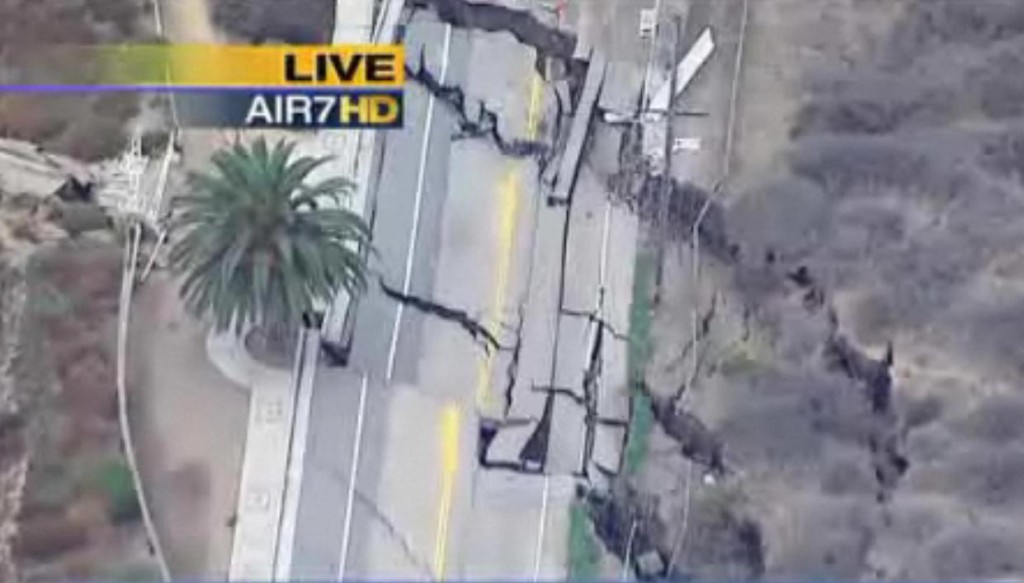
(237, 86)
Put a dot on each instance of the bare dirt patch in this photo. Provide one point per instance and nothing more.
(190, 425)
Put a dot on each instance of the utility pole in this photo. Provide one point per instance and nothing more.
(665, 194)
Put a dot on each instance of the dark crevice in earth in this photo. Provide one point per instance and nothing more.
(697, 442)
(874, 376)
(885, 441)
(475, 329)
(641, 191)
(590, 388)
(546, 40)
(488, 430)
(703, 330)
(627, 526)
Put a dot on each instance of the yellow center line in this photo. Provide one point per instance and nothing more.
(450, 425)
(508, 212)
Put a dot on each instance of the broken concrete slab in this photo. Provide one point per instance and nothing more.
(508, 442)
(622, 86)
(608, 443)
(612, 389)
(586, 244)
(573, 352)
(580, 126)
(536, 365)
(492, 17)
(567, 442)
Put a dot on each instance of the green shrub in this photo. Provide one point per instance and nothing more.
(584, 552)
(114, 480)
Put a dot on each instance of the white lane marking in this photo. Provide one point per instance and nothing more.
(541, 528)
(305, 373)
(421, 179)
(347, 531)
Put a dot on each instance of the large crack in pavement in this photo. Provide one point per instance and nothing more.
(476, 330)
(485, 125)
(513, 364)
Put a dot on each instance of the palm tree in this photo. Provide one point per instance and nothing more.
(256, 244)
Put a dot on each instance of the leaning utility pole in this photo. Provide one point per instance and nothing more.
(665, 194)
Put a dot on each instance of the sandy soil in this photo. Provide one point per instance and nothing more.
(190, 425)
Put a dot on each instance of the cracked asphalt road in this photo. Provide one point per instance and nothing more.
(465, 245)
(452, 220)
(386, 347)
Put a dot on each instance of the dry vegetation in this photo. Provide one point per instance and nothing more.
(288, 21)
(85, 126)
(80, 514)
(894, 230)
(68, 508)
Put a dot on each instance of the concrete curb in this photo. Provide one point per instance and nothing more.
(228, 354)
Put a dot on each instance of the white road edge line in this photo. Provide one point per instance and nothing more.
(356, 449)
(420, 180)
(541, 528)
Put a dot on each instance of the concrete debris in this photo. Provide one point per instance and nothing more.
(627, 526)
(608, 445)
(568, 453)
(580, 128)
(686, 201)
(622, 89)
(650, 566)
(502, 444)
(28, 169)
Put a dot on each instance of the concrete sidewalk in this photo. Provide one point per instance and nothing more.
(264, 480)
(280, 399)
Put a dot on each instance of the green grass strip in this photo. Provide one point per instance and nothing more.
(638, 356)
(584, 552)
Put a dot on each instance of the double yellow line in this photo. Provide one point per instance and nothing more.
(451, 420)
